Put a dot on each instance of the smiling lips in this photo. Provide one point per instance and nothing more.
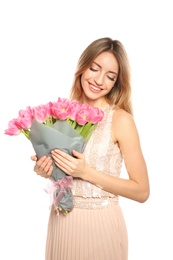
(94, 88)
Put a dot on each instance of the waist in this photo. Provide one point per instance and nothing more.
(94, 203)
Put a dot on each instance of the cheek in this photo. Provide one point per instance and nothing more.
(86, 74)
(112, 86)
(109, 85)
(82, 80)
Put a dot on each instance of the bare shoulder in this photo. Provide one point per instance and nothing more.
(121, 116)
(123, 124)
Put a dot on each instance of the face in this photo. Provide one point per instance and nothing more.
(99, 79)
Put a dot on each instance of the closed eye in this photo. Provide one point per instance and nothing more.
(92, 69)
(112, 79)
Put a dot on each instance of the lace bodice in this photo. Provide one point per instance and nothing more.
(102, 154)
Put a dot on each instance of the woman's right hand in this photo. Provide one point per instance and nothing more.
(43, 166)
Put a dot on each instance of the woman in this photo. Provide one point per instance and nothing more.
(95, 229)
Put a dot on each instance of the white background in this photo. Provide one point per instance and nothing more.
(40, 43)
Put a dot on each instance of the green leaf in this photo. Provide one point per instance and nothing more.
(26, 133)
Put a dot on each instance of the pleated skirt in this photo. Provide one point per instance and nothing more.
(87, 234)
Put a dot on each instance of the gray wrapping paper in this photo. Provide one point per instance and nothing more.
(62, 136)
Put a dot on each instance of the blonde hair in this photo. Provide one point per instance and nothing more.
(120, 95)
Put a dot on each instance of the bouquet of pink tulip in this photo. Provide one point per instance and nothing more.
(64, 124)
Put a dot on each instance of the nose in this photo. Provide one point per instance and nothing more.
(99, 79)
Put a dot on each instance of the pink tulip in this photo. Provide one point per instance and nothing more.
(60, 110)
(12, 128)
(74, 107)
(82, 117)
(96, 115)
(48, 107)
(40, 113)
(23, 122)
(24, 119)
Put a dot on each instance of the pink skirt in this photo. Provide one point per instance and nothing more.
(91, 231)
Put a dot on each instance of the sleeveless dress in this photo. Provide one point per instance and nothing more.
(95, 229)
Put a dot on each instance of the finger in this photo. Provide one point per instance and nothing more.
(63, 163)
(77, 154)
(46, 166)
(43, 165)
(34, 158)
(48, 173)
(42, 162)
(60, 154)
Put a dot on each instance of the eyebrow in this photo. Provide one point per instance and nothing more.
(116, 73)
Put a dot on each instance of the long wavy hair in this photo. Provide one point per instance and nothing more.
(120, 94)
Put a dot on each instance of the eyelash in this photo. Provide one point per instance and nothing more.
(112, 79)
(92, 69)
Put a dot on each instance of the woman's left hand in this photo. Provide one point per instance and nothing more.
(74, 166)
